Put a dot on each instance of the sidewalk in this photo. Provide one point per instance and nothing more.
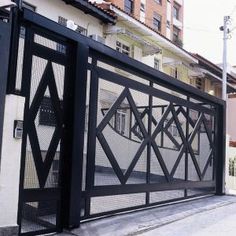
(199, 217)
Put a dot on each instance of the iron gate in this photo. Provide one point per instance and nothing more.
(131, 137)
(44, 76)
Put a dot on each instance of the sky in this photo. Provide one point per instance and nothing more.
(202, 19)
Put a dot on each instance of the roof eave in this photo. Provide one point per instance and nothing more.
(89, 8)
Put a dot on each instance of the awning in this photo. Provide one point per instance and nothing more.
(148, 48)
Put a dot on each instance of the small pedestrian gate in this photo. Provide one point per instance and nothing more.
(104, 133)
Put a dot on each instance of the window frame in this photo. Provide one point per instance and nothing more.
(157, 19)
(176, 34)
(129, 6)
(120, 121)
(156, 63)
(158, 2)
(176, 11)
(142, 7)
(123, 48)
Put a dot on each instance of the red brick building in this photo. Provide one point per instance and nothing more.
(165, 16)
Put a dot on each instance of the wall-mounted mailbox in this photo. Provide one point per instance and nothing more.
(18, 129)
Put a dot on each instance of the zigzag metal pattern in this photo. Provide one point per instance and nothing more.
(184, 147)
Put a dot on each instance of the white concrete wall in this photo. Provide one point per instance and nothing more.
(10, 162)
(54, 8)
(231, 111)
(230, 181)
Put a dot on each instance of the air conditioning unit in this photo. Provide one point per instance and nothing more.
(97, 38)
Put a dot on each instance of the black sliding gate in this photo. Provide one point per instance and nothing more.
(104, 133)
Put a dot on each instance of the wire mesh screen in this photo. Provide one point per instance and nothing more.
(166, 195)
(116, 202)
(38, 216)
(43, 129)
(148, 137)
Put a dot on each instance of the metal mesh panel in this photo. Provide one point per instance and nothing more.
(161, 196)
(199, 191)
(116, 202)
(43, 144)
(38, 216)
(50, 43)
(20, 57)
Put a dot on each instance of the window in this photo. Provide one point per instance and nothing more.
(156, 64)
(157, 21)
(200, 83)
(158, 1)
(168, 24)
(176, 34)
(46, 113)
(142, 7)
(122, 48)
(232, 166)
(129, 6)
(174, 72)
(63, 21)
(176, 10)
(172, 129)
(120, 120)
(81, 30)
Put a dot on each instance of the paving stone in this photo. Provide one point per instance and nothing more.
(149, 220)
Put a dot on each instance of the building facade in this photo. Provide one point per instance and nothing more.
(164, 16)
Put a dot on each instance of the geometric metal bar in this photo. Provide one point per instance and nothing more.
(153, 187)
(121, 80)
(111, 111)
(79, 109)
(111, 157)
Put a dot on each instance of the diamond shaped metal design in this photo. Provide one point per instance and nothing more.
(43, 167)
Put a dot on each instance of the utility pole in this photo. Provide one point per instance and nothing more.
(224, 73)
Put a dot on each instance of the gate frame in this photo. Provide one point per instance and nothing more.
(71, 204)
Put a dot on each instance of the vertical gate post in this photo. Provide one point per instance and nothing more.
(15, 31)
(78, 135)
(4, 59)
(221, 149)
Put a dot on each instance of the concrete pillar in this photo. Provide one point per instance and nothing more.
(10, 167)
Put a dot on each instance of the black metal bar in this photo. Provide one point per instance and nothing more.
(186, 150)
(35, 195)
(78, 135)
(49, 54)
(92, 126)
(5, 30)
(111, 158)
(149, 146)
(14, 39)
(209, 193)
(221, 146)
(119, 59)
(112, 111)
(123, 81)
(139, 188)
(162, 130)
(26, 73)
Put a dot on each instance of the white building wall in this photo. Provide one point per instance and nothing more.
(52, 9)
(10, 162)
